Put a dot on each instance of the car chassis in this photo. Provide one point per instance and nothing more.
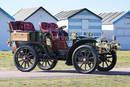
(46, 47)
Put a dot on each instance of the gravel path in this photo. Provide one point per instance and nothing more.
(59, 73)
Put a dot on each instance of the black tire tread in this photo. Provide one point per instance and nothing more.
(114, 56)
(75, 66)
(35, 58)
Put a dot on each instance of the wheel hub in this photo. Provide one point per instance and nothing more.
(24, 57)
(84, 59)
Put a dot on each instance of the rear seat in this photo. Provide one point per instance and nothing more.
(20, 26)
(16, 26)
(28, 26)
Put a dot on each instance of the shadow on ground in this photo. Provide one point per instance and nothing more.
(94, 73)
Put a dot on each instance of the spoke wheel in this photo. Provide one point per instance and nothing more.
(46, 63)
(107, 62)
(25, 58)
(84, 59)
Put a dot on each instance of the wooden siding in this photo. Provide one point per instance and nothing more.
(93, 24)
(41, 16)
(4, 31)
(122, 31)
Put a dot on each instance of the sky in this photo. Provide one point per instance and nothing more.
(55, 6)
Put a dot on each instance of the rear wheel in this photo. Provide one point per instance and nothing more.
(25, 58)
(85, 59)
(46, 63)
(107, 61)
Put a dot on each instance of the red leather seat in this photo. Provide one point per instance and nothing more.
(58, 37)
(60, 42)
(53, 26)
(16, 26)
(54, 35)
(21, 26)
(28, 26)
(44, 27)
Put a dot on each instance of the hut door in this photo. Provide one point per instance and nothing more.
(84, 26)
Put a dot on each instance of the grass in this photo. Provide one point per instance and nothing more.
(90, 81)
(123, 59)
(6, 62)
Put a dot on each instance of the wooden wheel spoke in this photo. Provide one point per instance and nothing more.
(106, 63)
(48, 63)
(89, 64)
(22, 63)
(29, 56)
(109, 61)
(81, 65)
(51, 61)
(102, 64)
(80, 59)
(20, 54)
(91, 58)
(20, 60)
(28, 64)
(81, 54)
(85, 66)
(25, 65)
(109, 57)
(26, 51)
(87, 54)
(45, 63)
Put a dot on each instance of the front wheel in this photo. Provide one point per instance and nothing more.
(25, 58)
(107, 61)
(85, 59)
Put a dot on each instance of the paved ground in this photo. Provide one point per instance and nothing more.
(59, 73)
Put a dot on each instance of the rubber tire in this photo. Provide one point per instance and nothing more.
(112, 64)
(52, 66)
(35, 59)
(76, 66)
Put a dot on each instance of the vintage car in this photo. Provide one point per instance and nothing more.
(46, 47)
